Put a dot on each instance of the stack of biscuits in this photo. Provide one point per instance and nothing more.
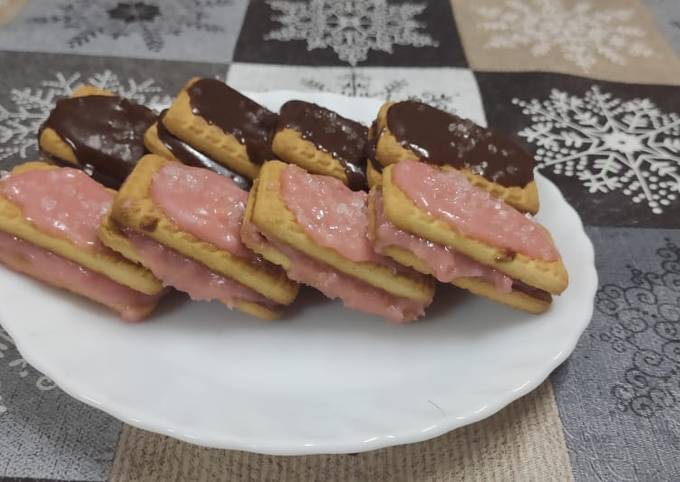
(223, 199)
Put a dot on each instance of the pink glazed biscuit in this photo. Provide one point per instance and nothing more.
(49, 218)
(185, 222)
(445, 208)
(448, 265)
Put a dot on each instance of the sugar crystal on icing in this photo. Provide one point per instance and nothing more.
(203, 203)
(64, 202)
(449, 196)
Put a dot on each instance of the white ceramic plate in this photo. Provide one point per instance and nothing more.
(324, 380)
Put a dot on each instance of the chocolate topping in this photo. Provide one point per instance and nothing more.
(235, 114)
(193, 157)
(96, 175)
(342, 138)
(105, 132)
(539, 294)
(442, 138)
(506, 255)
(376, 165)
(372, 146)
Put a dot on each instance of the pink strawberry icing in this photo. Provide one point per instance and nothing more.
(445, 263)
(189, 276)
(448, 196)
(62, 202)
(46, 266)
(203, 203)
(353, 292)
(331, 214)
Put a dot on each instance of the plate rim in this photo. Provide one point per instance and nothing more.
(412, 435)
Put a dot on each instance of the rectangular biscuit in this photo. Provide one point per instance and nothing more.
(106, 262)
(215, 119)
(322, 142)
(550, 276)
(457, 144)
(273, 218)
(134, 208)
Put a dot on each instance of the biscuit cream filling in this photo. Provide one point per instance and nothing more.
(445, 263)
(449, 197)
(202, 203)
(353, 292)
(189, 276)
(46, 266)
(63, 202)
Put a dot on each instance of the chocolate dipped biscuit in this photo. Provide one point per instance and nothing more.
(373, 167)
(97, 131)
(215, 119)
(160, 141)
(322, 142)
(411, 130)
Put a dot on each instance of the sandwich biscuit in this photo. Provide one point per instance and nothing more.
(136, 209)
(471, 221)
(426, 258)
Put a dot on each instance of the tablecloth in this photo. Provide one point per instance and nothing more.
(588, 86)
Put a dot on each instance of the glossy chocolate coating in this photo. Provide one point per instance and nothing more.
(441, 138)
(105, 132)
(192, 157)
(531, 291)
(372, 147)
(235, 114)
(342, 138)
(96, 175)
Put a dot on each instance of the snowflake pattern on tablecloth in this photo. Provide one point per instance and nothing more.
(646, 329)
(351, 28)
(10, 355)
(610, 144)
(20, 122)
(355, 84)
(153, 20)
(583, 35)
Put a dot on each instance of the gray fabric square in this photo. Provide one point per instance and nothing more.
(155, 29)
(33, 82)
(46, 433)
(619, 393)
